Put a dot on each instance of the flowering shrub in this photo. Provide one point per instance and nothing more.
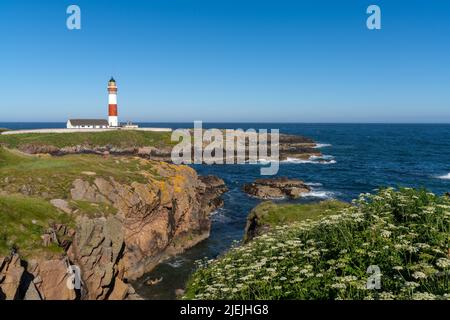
(406, 233)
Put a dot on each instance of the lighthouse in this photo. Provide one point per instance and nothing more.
(113, 119)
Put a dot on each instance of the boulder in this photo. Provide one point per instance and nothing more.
(82, 190)
(276, 188)
(62, 205)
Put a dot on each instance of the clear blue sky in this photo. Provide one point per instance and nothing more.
(227, 60)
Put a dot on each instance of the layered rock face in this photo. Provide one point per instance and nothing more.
(154, 219)
(276, 188)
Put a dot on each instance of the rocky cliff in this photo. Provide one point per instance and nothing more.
(148, 219)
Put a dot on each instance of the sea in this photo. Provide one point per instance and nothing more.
(359, 158)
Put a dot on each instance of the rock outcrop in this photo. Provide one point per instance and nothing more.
(276, 188)
(154, 221)
(39, 280)
(290, 146)
(155, 218)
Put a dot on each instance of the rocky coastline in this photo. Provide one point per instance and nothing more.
(290, 147)
(130, 209)
(153, 220)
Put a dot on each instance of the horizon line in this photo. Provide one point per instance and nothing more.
(249, 122)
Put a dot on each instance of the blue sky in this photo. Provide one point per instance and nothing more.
(227, 60)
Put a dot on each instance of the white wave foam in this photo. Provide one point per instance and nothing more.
(265, 161)
(299, 161)
(322, 145)
(445, 177)
(319, 194)
(326, 159)
(322, 157)
(314, 184)
(176, 263)
(219, 216)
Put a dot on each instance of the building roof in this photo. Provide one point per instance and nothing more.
(89, 122)
(112, 80)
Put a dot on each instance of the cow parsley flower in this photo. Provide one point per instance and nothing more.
(419, 275)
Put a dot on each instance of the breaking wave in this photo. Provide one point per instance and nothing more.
(319, 194)
(325, 159)
(445, 177)
(176, 263)
(322, 145)
(314, 184)
(219, 216)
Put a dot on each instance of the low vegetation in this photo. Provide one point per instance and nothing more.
(23, 220)
(117, 139)
(404, 233)
(269, 213)
(52, 177)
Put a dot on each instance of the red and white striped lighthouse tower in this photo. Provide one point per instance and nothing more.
(113, 119)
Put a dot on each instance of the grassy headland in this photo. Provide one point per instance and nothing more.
(118, 139)
(52, 177)
(29, 182)
(405, 233)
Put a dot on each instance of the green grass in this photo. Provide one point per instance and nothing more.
(278, 214)
(404, 233)
(93, 210)
(119, 139)
(52, 177)
(22, 222)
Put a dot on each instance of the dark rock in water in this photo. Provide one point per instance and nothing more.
(211, 188)
(447, 194)
(153, 282)
(276, 188)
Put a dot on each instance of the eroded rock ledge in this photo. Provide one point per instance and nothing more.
(276, 188)
(290, 147)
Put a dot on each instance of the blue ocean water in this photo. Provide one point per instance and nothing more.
(364, 157)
